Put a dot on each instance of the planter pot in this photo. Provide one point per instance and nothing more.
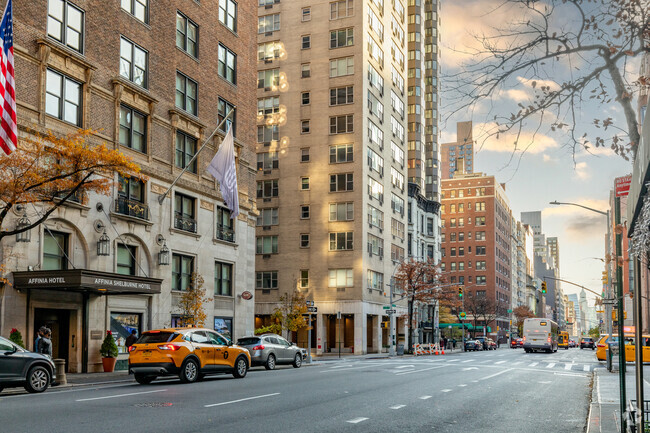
(109, 364)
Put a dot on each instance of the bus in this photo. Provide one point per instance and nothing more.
(563, 340)
(540, 335)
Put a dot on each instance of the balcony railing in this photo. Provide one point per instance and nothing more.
(132, 208)
(225, 233)
(186, 223)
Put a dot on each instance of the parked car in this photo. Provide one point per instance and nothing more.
(473, 345)
(587, 342)
(492, 345)
(190, 353)
(19, 367)
(572, 342)
(270, 350)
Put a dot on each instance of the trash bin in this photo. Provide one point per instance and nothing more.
(400, 350)
(60, 371)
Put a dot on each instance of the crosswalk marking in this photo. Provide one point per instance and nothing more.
(397, 406)
(585, 368)
(532, 364)
(500, 362)
(568, 366)
(357, 420)
(551, 365)
(468, 360)
(445, 390)
(425, 397)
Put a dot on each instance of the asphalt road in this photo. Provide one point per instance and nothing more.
(494, 391)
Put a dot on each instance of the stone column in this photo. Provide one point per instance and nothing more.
(376, 336)
(360, 334)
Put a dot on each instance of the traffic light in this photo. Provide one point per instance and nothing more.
(605, 277)
(460, 291)
(543, 286)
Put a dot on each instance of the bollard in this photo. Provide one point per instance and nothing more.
(60, 371)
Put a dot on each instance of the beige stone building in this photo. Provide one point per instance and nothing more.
(332, 168)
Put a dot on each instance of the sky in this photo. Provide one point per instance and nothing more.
(547, 170)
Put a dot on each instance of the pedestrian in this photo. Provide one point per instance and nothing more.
(130, 340)
(45, 343)
(39, 335)
(453, 342)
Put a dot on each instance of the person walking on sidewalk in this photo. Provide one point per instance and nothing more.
(45, 343)
(39, 335)
(130, 340)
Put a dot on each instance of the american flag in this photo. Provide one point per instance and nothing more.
(8, 129)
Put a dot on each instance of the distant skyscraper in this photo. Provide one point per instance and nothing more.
(458, 156)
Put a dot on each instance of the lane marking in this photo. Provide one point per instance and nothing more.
(551, 365)
(475, 381)
(544, 381)
(356, 420)
(425, 397)
(568, 366)
(121, 395)
(517, 363)
(417, 371)
(496, 374)
(470, 368)
(571, 374)
(405, 366)
(244, 399)
(532, 364)
(586, 367)
(348, 369)
(453, 360)
(468, 360)
(397, 406)
(499, 362)
(462, 385)
(445, 390)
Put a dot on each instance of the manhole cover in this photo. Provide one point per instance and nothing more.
(153, 404)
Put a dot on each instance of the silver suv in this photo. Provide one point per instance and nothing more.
(271, 349)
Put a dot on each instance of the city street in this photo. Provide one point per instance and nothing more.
(491, 391)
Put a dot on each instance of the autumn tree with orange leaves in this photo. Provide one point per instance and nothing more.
(46, 171)
(417, 281)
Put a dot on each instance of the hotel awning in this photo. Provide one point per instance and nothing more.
(86, 281)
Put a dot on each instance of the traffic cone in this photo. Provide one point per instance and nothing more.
(443, 351)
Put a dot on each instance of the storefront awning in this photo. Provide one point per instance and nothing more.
(84, 280)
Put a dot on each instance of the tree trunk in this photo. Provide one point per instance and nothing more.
(410, 337)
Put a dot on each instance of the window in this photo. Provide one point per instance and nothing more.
(187, 35)
(268, 133)
(65, 23)
(341, 9)
(130, 198)
(267, 245)
(268, 217)
(225, 227)
(375, 23)
(133, 62)
(184, 213)
(182, 269)
(341, 241)
(63, 98)
(480, 206)
(375, 246)
(266, 280)
(186, 94)
(342, 95)
(227, 68)
(137, 8)
(55, 248)
(267, 161)
(342, 124)
(480, 250)
(305, 70)
(268, 23)
(375, 162)
(396, 253)
(125, 259)
(268, 79)
(304, 127)
(480, 265)
(267, 188)
(341, 153)
(341, 278)
(222, 279)
(185, 150)
(268, 51)
(397, 228)
(375, 190)
(132, 129)
(223, 108)
(304, 98)
(306, 42)
(397, 178)
(375, 51)
(397, 204)
(342, 38)
(375, 106)
(306, 14)
(480, 236)
(304, 183)
(341, 67)
(341, 211)
(375, 217)
(228, 14)
(375, 134)
(480, 280)
(304, 212)
(375, 79)
(304, 154)
(480, 221)
(304, 278)
(304, 240)
(397, 128)
(341, 182)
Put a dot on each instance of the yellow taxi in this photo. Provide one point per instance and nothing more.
(190, 353)
(630, 347)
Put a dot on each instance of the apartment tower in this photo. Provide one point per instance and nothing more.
(458, 156)
(332, 167)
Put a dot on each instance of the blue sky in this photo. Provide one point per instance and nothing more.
(548, 170)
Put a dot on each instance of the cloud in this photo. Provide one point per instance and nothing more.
(538, 83)
(546, 158)
(528, 141)
(581, 171)
(579, 224)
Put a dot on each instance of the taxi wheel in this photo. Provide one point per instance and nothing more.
(297, 360)
(270, 362)
(143, 379)
(189, 371)
(241, 368)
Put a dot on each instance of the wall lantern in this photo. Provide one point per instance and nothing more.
(104, 245)
(25, 236)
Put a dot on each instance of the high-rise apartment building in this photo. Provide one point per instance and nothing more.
(121, 262)
(476, 243)
(332, 163)
(458, 156)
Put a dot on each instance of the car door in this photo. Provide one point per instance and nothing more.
(273, 342)
(12, 362)
(222, 356)
(288, 351)
(203, 349)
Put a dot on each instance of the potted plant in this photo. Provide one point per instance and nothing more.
(109, 352)
(16, 337)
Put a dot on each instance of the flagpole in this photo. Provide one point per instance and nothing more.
(162, 197)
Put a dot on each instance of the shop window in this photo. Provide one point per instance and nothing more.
(122, 325)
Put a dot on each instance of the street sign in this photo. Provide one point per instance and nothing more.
(386, 307)
(310, 303)
(509, 311)
(391, 311)
(312, 309)
(338, 315)
(463, 314)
